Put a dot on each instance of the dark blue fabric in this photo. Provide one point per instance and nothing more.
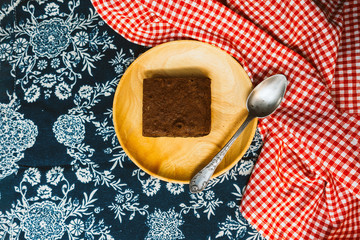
(63, 174)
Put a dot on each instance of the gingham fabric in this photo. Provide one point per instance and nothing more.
(306, 183)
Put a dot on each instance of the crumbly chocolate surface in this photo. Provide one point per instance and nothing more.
(176, 107)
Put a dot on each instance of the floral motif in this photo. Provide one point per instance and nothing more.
(69, 130)
(48, 80)
(151, 186)
(42, 64)
(85, 91)
(5, 51)
(164, 225)
(55, 63)
(120, 62)
(43, 221)
(175, 188)
(119, 69)
(16, 135)
(18, 132)
(87, 97)
(206, 200)
(126, 201)
(32, 94)
(76, 227)
(119, 198)
(50, 38)
(81, 38)
(209, 195)
(48, 216)
(69, 42)
(55, 175)
(20, 45)
(84, 175)
(246, 167)
(52, 9)
(237, 228)
(231, 204)
(44, 192)
(63, 91)
(32, 176)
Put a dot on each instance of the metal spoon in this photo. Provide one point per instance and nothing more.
(261, 102)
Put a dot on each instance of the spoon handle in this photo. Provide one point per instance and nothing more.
(201, 179)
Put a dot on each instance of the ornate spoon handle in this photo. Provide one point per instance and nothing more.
(201, 179)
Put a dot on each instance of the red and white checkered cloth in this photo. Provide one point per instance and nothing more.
(306, 183)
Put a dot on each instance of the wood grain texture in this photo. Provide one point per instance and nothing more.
(178, 159)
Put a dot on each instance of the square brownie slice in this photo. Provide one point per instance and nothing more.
(176, 107)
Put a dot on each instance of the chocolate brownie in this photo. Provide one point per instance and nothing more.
(176, 107)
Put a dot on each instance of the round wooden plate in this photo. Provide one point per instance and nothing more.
(179, 159)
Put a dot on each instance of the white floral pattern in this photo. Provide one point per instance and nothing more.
(49, 216)
(16, 135)
(44, 192)
(5, 51)
(175, 188)
(69, 130)
(84, 175)
(246, 167)
(151, 186)
(76, 227)
(43, 220)
(205, 200)
(61, 65)
(164, 225)
(126, 201)
(32, 176)
(237, 228)
(57, 38)
(52, 9)
(55, 175)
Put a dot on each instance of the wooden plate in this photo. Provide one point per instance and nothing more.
(179, 159)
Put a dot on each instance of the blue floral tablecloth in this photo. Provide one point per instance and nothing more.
(63, 174)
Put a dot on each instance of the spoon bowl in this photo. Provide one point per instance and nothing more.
(266, 96)
(261, 102)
